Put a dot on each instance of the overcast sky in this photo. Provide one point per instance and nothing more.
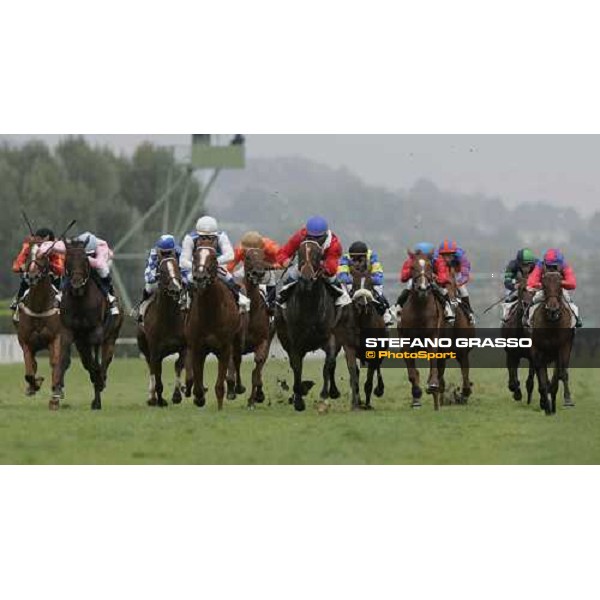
(563, 170)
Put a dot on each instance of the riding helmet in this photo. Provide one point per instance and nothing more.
(207, 226)
(526, 256)
(252, 239)
(44, 232)
(91, 241)
(166, 242)
(554, 257)
(448, 247)
(424, 248)
(358, 249)
(317, 226)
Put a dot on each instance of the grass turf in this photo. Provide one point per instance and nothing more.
(492, 429)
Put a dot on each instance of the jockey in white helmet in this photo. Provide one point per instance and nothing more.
(207, 228)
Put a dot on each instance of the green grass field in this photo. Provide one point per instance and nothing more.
(492, 429)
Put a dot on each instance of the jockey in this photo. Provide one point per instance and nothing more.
(553, 260)
(459, 265)
(250, 240)
(364, 260)
(100, 257)
(165, 246)
(442, 279)
(516, 271)
(207, 230)
(316, 230)
(30, 245)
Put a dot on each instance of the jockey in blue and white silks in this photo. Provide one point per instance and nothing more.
(165, 244)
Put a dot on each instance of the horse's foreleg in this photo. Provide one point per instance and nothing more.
(467, 386)
(65, 358)
(108, 353)
(97, 379)
(197, 360)
(415, 383)
(330, 389)
(260, 357)
(55, 361)
(542, 374)
(530, 383)
(298, 399)
(224, 360)
(230, 376)
(380, 388)
(371, 369)
(160, 401)
(30, 371)
(512, 365)
(350, 354)
(177, 392)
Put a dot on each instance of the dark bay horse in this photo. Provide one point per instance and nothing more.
(513, 327)
(162, 331)
(552, 338)
(307, 323)
(359, 316)
(39, 327)
(87, 321)
(212, 324)
(254, 334)
(422, 316)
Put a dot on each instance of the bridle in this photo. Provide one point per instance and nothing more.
(307, 269)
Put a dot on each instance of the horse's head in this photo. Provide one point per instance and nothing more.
(421, 272)
(310, 255)
(255, 265)
(552, 286)
(362, 297)
(77, 265)
(204, 265)
(169, 275)
(37, 267)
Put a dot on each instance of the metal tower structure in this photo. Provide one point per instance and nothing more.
(204, 159)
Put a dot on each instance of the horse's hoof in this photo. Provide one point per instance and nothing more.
(162, 403)
(366, 407)
(299, 404)
(200, 402)
(176, 398)
(379, 391)
(569, 404)
(240, 389)
(30, 392)
(324, 395)
(260, 397)
(334, 394)
(53, 405)
(96, 406)
(416, 404)
(518, 395)
(231, 396)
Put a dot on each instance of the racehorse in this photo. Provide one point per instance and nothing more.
(307, 323)
(462, 328)
(359, 316)
(87, 321)
(422, 316)
(162, 331)
(552, 338)
(212, 323)
(513, 327)
(254, 335)
(39, 327)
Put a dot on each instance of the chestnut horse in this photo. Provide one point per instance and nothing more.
(552, 338)
(212, 324)
(87, 321)
(39, 327)
(422, 316)
(254, 335)
(307, 323)
(359, 316)
(162, 331)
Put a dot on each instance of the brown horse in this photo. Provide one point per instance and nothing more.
(359, 316)
(552, 338)
(513, 327)
(422, 316)
(39, 327)
(212, 324)
(308, 322)
(87, 321)
(462, 328)
(254, 335)
(162, 332)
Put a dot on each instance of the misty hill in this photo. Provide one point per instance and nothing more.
(276, 195)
